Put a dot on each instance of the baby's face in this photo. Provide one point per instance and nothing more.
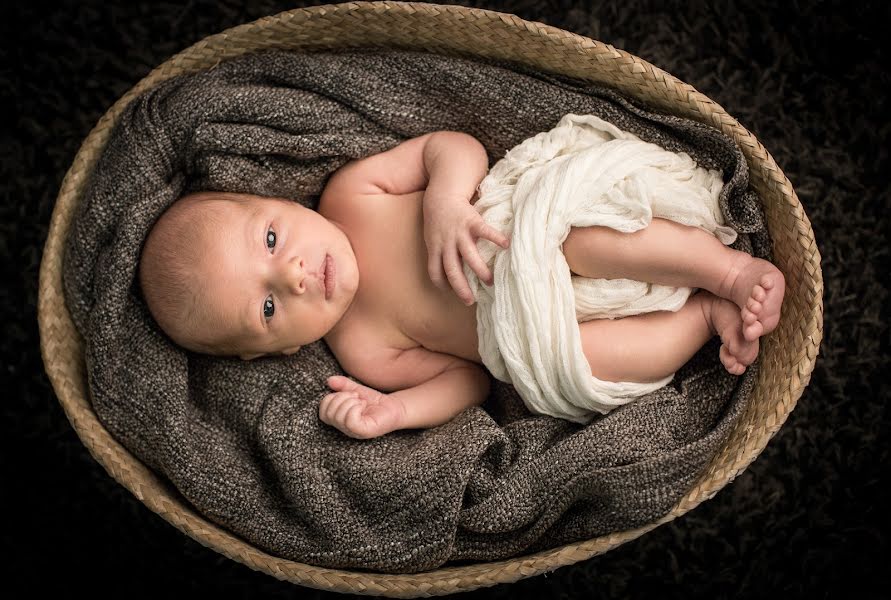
(266, 265)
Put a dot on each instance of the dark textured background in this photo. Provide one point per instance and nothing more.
(807, 519)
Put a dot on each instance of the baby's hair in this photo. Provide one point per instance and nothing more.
(168, 274)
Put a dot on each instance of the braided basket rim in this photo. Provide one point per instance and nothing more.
(788, 354)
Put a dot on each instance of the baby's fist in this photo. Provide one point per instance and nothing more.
(359, 411)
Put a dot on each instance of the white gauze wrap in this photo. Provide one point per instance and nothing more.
(582, 173)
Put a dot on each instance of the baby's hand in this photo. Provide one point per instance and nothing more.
(359, 411)
(451, 229)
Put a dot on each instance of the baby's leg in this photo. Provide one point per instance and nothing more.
(647, 347)
(669, 253)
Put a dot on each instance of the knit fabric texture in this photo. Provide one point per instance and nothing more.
(242, 441)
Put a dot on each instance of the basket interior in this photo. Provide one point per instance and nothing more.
(787, 355)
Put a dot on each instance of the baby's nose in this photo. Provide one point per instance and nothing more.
(295, 275)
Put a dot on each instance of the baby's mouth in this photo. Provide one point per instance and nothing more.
(328, 276)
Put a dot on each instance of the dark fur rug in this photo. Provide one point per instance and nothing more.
(807, 520)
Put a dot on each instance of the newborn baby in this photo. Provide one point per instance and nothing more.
(377, 273)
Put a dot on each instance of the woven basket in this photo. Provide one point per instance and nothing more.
(787, 355)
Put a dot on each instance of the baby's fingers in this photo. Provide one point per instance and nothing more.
(455, 274)
(474, 260)
(484, 230)
(434, 268)
(343, 408)
(331, 403)
(355, 423)
(340, 383)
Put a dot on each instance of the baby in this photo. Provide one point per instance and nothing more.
(377, 272)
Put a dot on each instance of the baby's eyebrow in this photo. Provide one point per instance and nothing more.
(253, 226)
(250, 317)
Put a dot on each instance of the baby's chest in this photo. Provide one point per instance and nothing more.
(394, 283)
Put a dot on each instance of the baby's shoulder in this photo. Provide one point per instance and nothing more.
(349, 198)
(369, 358)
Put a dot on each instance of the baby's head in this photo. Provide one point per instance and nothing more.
(240, 275)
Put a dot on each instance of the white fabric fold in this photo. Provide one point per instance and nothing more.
(582, 173)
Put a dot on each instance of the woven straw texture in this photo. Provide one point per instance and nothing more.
(787, 355)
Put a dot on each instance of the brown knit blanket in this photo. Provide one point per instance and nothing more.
(242, 441)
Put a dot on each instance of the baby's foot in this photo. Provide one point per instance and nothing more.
(724, 319)
(757, 287)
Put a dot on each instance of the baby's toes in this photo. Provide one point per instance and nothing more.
(729, 361)
(758, 293)
(726, 358)
(754, 306)
(752, 331)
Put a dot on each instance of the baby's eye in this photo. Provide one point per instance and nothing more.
(270, 238)
(268, 307)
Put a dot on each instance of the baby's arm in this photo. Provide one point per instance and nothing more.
(448, 166)
(451, 224)
(449, 163)
(426, 389)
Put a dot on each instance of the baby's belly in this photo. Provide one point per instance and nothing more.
(439, 321)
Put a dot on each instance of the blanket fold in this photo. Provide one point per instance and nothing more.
(242, 441)
(584, 172)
